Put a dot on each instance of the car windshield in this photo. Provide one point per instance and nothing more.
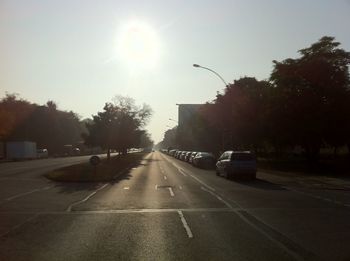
(174, 130)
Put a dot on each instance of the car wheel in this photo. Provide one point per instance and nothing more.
(217, 172)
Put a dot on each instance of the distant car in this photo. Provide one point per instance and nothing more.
(42, 153)
(237, 164)
(193, 154)
(204, 160)
(187, 156)
(177, 154)
(182, 155)
(172, 152)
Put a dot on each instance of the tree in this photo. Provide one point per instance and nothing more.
(239, 114)
(13, 112)
(145, 140)
(311, 97)
(119, 126)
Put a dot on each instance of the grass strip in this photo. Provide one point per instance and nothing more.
(105, 171)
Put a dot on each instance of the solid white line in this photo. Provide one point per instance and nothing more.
(188, 173)
(156, 187)
(203, 183)
(320, 198)
(27, 193)
(171, 192)
(218, 197)
(292, 253)
(165, 178)
(182, 172)
(184, 223)
(69, 209)
(126, 187)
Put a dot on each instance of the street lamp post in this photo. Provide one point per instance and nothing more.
(222, 79)
(206, 68)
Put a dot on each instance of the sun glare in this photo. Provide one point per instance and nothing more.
(138, 45)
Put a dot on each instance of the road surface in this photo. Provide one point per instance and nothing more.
(165, 209)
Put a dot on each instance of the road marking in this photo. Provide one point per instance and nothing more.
(211, 191)
(262, 231)
(161, 169)
(69, 209)
(171, 192)
(126, 187)
(165, 178)
(182, 172)
(27, 193)
(319, 197)
(188, 173)
(218, 197)
(156, 187)
(184, 223)
(180, 187)
(202, 182)
(20, 224)
(122, 211)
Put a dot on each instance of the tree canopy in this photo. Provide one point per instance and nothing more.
(119, 125)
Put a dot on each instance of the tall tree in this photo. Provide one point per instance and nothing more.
(119, 126)
(311, 98)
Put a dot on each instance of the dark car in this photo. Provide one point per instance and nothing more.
(204, 160)
(237, 164)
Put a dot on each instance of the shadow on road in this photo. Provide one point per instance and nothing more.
(260, 184)
(124, 174)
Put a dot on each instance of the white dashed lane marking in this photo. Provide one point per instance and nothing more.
(184, 223)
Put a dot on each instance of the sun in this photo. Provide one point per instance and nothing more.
(138, 45)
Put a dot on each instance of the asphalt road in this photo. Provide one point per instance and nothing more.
(165, 209)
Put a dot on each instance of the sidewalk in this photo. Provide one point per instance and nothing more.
(298, 179)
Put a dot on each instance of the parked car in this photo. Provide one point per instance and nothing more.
(187, 155)
(204, 160)
(177, 154)
(42, 153)
(182, 155)
(172, 152)
(237, 164)
(193, 154)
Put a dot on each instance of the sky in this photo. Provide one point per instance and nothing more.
(82, 53)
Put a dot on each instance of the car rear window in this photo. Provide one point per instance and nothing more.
(242, 156)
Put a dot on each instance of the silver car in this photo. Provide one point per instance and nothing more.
(237, 164)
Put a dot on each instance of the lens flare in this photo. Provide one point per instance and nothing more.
(138, 45)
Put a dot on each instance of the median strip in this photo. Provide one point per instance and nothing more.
(107, 170)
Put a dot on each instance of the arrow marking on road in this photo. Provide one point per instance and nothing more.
(171, 192)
